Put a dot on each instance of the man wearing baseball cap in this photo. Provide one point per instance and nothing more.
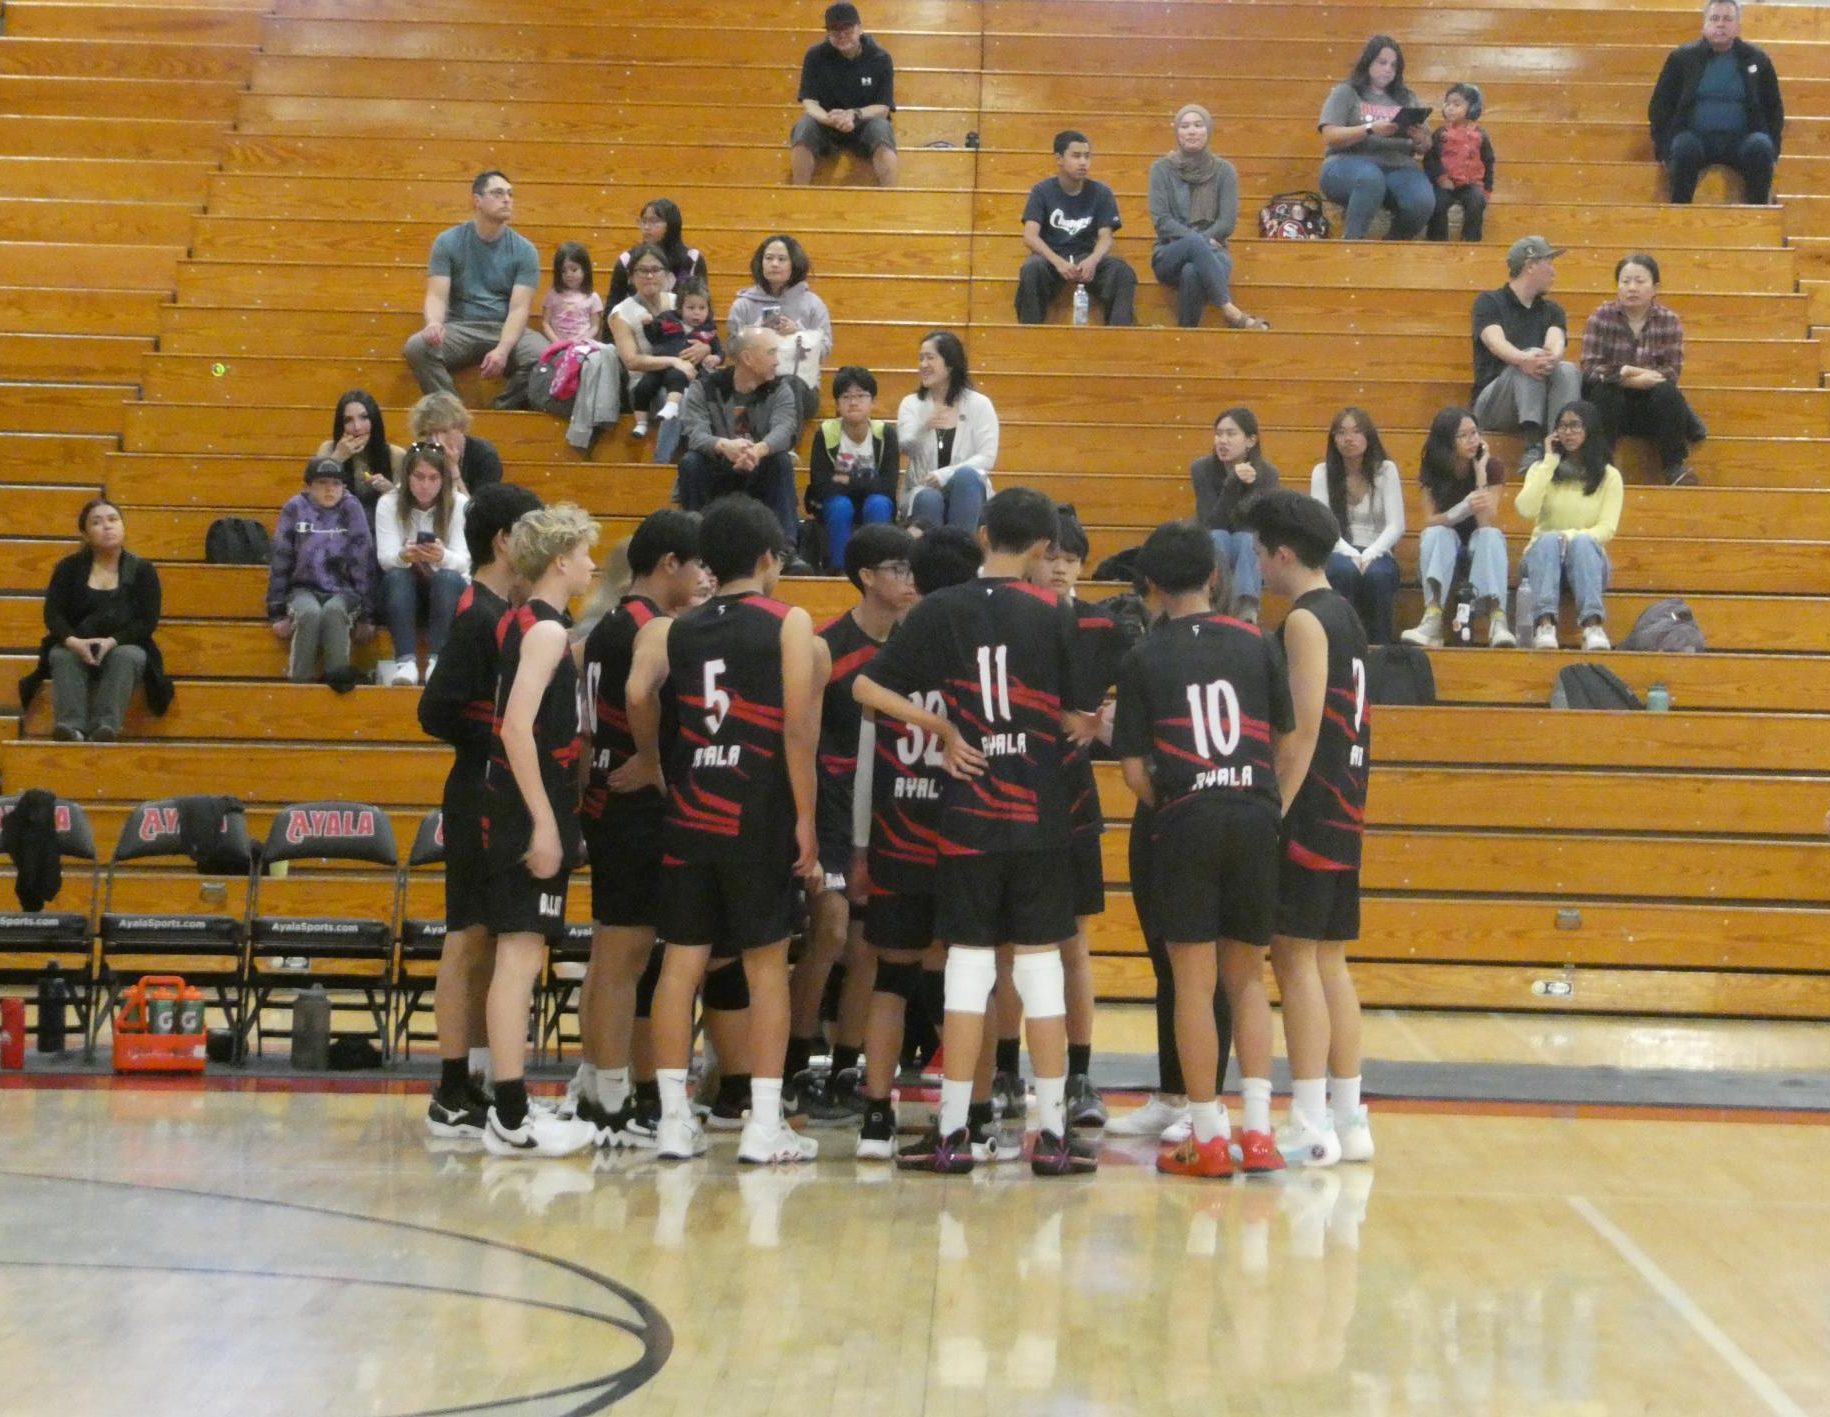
(1521, 379)
(848, 92)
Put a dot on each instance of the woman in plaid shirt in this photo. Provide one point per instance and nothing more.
(1632, 354)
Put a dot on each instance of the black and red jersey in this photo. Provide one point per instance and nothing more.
(558, 734)
(458, 703)
(908, 779)
(1099, 649)
(1325, 823)
(1001, 654)
(1199, 700)
(609, 652)
(840, 713)
(728, 791)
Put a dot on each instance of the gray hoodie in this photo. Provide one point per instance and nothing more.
(797, 302)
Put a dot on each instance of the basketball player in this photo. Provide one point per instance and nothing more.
(530, 821)
(1000, 653)
(877, 563)
(1325, 760)
(622, 832)
(457, 705)
(1201, 704)
(740, 809)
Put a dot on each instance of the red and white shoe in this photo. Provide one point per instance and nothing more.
(1258, 1153)
(1211, 1159)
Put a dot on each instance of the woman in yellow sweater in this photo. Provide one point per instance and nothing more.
(1573, 496)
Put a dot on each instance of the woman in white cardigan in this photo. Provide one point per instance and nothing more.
(1359, 484)
(948, 433)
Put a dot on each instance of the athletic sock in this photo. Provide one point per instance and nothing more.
(1010, 1055)
(585, 1076)
(1346, 1100)
(844, 1056)
(1051, 1104)
(648, 1094)
(1257, 1109)
(800, 1053)
(612, 1087)
(670, 1083)
(766, 1102)
(955, 1100)
(979, 1114)
(1309, 1099)
(481, 1065)
(1208, 1120)
(1080, 1058)
(511, 1102)
(454, 1078)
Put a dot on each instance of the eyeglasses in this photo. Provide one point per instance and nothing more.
(499, 192)
(900, 569)
(650, 270)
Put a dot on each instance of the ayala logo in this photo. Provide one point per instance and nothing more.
(438, 832)
(158, 822)
(60, 818)
(305, 823)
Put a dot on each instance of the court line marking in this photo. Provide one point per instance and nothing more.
(1777, 1400)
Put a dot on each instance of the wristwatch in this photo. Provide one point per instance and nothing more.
(1369, 127)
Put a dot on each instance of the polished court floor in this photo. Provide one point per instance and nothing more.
(171, 1250)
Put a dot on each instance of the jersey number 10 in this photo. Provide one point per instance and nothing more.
(1213, 709)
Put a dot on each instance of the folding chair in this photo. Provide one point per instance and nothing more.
(32, 939)
(558, 994)
(206, 948)
(422, 940)
(340, 952)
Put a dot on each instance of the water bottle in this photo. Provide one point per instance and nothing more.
(53, 1004)
(1464, 613)
(1658, 698)
(1081, 304)
(311, 1030)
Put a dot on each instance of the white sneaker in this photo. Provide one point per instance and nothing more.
(679, 1139)
(540, 1134)
(1306, 1142)
(1151, 1120)
(1545, 636)
(668, 411)
(640, 430)
(1428, 631)
(1499, 633)
(384, 670)
(1356, 1138)
(762, 1146)
(1595, 639)
(406, 673)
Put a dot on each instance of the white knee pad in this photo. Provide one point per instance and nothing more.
(1041, 984)
(971, 974)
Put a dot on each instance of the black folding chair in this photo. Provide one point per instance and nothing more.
(30, 940)
(422, 940)
(558, 995)
(341, 952)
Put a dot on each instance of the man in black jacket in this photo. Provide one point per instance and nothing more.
(739, 426)
(1717, 101)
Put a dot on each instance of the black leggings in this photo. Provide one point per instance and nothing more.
(1169, 1060)
(648, 387)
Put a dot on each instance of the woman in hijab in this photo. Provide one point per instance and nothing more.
(1194, 202)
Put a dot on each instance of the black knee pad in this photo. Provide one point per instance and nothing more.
(727, 988)
(644, 987)
(901, 979)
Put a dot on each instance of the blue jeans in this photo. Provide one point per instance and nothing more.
(1372, 592)
(404, 592)
(705, 477)
(1439, 548)
(842, 512)
(1752, 156)
(1362, 186)
(1202, 276)
(1238, 552)
(1550, 563)
(960, 503)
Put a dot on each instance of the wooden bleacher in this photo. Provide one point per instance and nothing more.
(218, 220)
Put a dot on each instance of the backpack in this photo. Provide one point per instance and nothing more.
(1591, 686)
(1121, 566)
(1667, 626)
(1294, 216)
(237, 541)
(1399, 675)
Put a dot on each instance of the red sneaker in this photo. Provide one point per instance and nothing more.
(1195, 1158)
(1258, 1153)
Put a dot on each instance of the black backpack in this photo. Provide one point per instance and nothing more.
(237, 541)
(1399, 675)
(1668, 626)
(1592, 686)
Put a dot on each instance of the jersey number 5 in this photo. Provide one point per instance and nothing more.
(717, 702)
(1213, 709)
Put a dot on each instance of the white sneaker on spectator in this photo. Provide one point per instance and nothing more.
(1595, 638)
(1545, 636)
(406, 672)
(384, 670)
(1499, 633)
(668, 411)
(640, 430)
(1428, 631)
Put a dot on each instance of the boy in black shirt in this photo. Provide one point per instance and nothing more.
(1068, 224)
(1000, 653)
(458, 706)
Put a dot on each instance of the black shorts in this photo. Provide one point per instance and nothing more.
(832, 832)
(1010, 898)
(466, 863)
(899, 920)
(1317, 905)
(1214, 872)
(625, 851)
(730, 905)
(1089, 869)
(522, 904)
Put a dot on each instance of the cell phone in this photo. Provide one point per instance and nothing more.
(769, 313)
(425, 538)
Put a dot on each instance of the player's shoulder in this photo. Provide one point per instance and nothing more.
(768, 605)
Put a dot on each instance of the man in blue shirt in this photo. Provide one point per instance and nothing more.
(1717, 102)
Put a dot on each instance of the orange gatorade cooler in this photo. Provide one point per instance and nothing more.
(149, 1024)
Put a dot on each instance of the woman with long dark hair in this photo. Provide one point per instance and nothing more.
(1632, 354)
(1225, 482)
(1461, 498)
(1371, 161)
(1573, 495)
(1359, 484)
(659, 223)
(359, 440)
(948, 434)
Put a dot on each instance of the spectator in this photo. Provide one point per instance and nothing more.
(1225, 482)
(1461, 499)
(442, 420)
(1573, 496)
(848, 92)
(318, 587)
(1194, 205)
(949, 436)
(1359, 484)
(100, 611)
(740, 425)
(782, 300)
(1371, 161)
(660, 223)
(1460, 164)
(670, 334)
(572, 310)
(1717, 101)
(856, 464)
(425, 563)
(359, 440)
(480, 286)
(631, 330)
(1521, 379)
(1067, 225)
(1632, 354)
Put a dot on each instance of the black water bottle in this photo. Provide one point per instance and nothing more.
(53, 1003)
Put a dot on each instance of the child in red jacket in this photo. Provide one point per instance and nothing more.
(1460, 163)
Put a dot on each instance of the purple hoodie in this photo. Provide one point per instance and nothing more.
(329, 550)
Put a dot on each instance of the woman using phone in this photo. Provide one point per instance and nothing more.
(782, 300)
(1461, 498)
(425, 564)
(1375, 146)
(1573, 495)
(1226, 481)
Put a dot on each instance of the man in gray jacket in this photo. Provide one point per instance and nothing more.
(740, 425)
